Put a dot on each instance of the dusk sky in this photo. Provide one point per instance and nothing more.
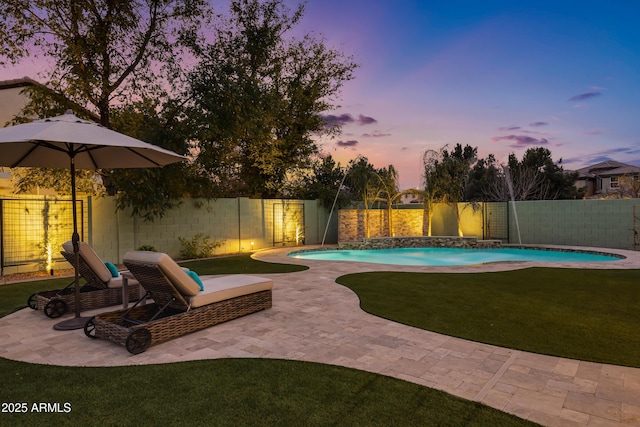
(502, 76)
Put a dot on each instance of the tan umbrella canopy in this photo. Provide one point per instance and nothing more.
(69, 142)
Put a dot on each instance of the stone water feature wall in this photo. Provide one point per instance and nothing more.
(351, 223)
(407, 222)
(422, 242)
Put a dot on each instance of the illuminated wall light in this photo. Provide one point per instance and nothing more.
(50, 258)
(299, 233)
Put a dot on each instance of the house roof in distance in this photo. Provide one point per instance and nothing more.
(607, 168)
(25, 81)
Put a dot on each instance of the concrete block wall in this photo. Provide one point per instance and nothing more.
(443, 222)
(237, 222)
(600, 223)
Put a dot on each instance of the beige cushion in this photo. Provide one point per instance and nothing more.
(181, 280)
(92, 259)
(227, 287)
(116, 282)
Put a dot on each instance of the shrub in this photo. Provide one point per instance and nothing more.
(198, 247)
(150, 248)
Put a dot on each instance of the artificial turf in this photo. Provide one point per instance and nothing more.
(239, 264)
(225, 392)
(590, 315)
(14, 296)
(232, 392)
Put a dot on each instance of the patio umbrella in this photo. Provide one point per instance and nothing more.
(69, 142)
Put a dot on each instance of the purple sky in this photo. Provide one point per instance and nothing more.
(502, 76)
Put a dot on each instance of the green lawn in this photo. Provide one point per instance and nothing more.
(234, 392)
(226, 392)
(239, 264)
(591, 315)
(14, 297)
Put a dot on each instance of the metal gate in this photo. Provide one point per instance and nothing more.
(288, 223)
(33, 230)
(496, 221)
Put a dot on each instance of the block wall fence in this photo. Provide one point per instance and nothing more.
(242, 224)
(238, 222)
(600, 223)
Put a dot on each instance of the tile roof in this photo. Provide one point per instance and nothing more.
(607, 168)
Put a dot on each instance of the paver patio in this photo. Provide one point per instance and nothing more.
(315, 319)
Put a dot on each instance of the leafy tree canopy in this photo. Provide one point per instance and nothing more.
(151, 192)
(535, 177)
(29, 180)
(257, 97)
(453, 172)
(100, 51)
(362, 180)
(322, 183)
(537, 161)
(103, 53)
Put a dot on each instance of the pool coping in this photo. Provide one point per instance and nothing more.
(627, 259)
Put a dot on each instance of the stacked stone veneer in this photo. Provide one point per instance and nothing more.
(406, 222)
(422, 242)
(351, 223)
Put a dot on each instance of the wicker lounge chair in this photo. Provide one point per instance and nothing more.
(102, 289)
(180, 306)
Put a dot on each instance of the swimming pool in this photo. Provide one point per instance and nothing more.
(451, 256)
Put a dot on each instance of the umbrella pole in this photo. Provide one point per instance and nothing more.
(76, 322)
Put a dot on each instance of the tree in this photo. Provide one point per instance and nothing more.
(453, 172)
(517, 184)
(432, 185)
(628, 187)
(535, 177)
(538, 177)
(389, 192)
(28, 180)
(484, 175)
(257, 98)
(323, 183)
(101, 51)
(151, 192)
(365, 185)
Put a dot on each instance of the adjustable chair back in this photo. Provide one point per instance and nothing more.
(91, 268)
(168, 284)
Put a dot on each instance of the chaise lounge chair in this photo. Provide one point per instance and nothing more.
(103, 287)
(180, 306)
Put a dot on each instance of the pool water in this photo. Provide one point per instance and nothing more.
(450, 256)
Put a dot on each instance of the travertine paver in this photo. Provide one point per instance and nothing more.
(315, 319)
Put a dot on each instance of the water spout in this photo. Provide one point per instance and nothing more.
(507, 176)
